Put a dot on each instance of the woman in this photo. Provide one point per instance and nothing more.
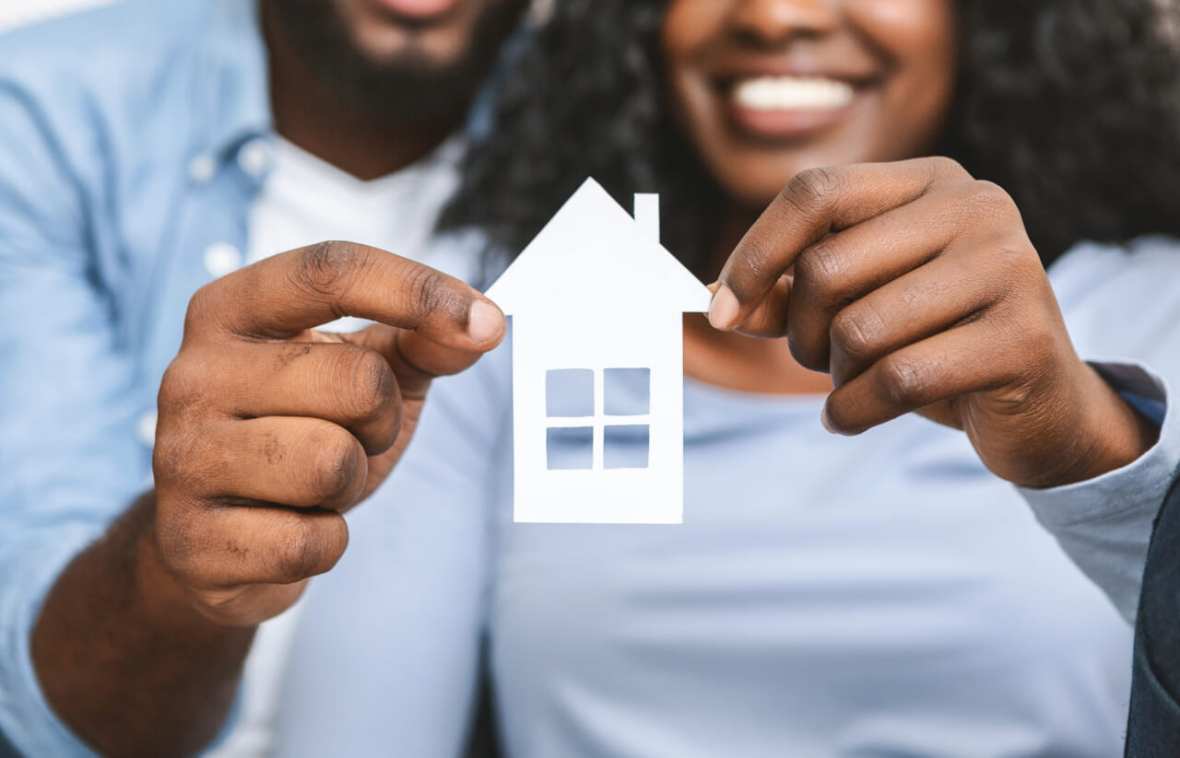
(887, 594)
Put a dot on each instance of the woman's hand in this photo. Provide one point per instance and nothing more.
(916, 286)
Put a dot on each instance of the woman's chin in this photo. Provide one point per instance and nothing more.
(752, 183)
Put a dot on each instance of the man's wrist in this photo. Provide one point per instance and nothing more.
(118, 637)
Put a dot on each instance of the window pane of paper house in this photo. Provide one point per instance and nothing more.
(569, 392)
(626, 391)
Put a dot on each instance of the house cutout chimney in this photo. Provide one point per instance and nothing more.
(597, 308)
(647, 216)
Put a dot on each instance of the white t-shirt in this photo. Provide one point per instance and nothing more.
(306, 200)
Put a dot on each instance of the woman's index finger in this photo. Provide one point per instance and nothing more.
(815, 203)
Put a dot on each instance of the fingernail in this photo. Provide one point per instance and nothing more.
(826, 420)
(723, 310)
(484, 321)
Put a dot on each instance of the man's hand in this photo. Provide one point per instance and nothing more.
(268, 431)
(917, 288)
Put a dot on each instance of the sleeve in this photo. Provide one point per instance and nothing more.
(68, 451)
(1105, 524)
(389, 643)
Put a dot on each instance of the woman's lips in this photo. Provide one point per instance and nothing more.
(787, 107)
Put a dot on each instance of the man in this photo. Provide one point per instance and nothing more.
(145, 150)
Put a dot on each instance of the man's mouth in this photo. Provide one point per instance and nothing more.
(419, 10)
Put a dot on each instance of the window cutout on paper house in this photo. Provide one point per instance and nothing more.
(584, 432)
(569, 393)
(570, 448)
(627, 391)
(625, 446)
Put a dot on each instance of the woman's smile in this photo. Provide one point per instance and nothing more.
(764, 94)
(784, 108)
(780, 99)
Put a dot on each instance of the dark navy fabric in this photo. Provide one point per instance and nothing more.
(6, 750)
(1153, 730)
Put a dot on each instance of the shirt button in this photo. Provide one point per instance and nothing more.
(222, 258)
(254, 157)
(202, 168)
(146, 428)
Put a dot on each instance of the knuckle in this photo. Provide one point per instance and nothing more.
(372, 386)
(990, 198)
(181, 444)
(336, 460)
(942, 166)
(1018, 270)
(298, 554)
(175, 384)
(312, 545)
(807, 351)
(750, 268)
(813, 190)
(903, 381)
(324, 267)
(178, 538)
(1040, 341)
(182, 383)
(431, 292)
(171, 456)
(855, 333)
(839, 415)
(200, 310)
(333, 542)
(1020, 257)
(189, 458)
(819, 273)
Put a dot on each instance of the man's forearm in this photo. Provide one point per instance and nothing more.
(122, 656)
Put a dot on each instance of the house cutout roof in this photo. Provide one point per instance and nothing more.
(592, 254)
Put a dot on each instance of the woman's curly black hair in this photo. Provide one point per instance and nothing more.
(1073, 106)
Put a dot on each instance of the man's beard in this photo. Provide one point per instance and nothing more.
(410, 88)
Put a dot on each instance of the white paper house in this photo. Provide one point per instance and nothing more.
(595, 300)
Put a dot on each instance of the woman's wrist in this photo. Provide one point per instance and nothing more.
(1107, 434)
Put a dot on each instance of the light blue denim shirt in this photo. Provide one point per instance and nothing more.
(121, 131)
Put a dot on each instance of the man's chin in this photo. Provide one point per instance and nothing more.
(394, 47)
(419, 33)
(375, 61)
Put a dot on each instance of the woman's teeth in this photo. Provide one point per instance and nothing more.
(782, 93)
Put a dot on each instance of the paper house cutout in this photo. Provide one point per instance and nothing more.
(597, 310)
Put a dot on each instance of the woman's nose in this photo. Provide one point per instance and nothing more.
(770, 22)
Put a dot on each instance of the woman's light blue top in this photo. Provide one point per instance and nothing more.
(875, 596)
